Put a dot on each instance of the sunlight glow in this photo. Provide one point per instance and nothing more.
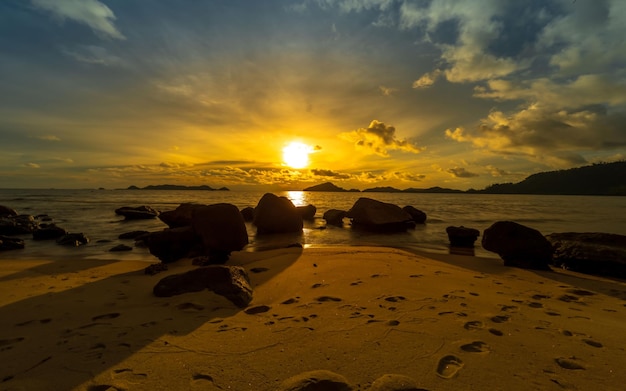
(296, 155)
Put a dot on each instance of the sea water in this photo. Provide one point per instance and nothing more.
(92, 212)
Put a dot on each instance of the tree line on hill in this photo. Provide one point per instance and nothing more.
(596, 179)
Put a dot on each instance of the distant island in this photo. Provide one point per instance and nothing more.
(597, 179)
(176, 187)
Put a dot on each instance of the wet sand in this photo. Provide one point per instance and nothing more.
(447, 322)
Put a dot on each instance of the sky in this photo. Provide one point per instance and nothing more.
(402, 93)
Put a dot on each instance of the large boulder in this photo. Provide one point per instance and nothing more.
(49, 231)
(590, 252)
(179, 217)
(137, 213)
(320, 380)
(17, 225)
(275, 214)
(335, 217)
(379, 216)
(462, 236)
(518, 245)
(6, 211)
(73, 239)
(307, 212)
(231, 282)
(7, 243)
(248, 213)
(221, 228)
(416, 215)
(172, 244)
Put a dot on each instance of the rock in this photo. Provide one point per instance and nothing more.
(248, 213)
(320, 380)
(48, 232)
(172, 244)
(73, 239)
(6, 211)
(180, 217)
(275, 214)
(518, 245)
(120, 247)
(335, 217)
(132, 234)
(17, 225)
(7, 243)
(137, 213)
(307, 212)
(155, 268)
(462, 236)
(394, 383)
(590, 252)
(416, 215)
(221, 228)
(231, 282)
(378, 216)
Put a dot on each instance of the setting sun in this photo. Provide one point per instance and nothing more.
(296, 155)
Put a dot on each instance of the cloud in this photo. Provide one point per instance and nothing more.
(49, 138)
(427, 79)
(329, 173)
(497, 172)
(460, 172)
(557, 137)
(96, 55)
(91, 13)
(386, 91)
(408, 177)
(379, 138)
(32, 165)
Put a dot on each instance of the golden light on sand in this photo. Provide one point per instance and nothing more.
(296, 154)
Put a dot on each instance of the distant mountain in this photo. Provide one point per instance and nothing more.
(435, 189)
(597, 179)
(326, 187)
(385, 189)
(176, 187)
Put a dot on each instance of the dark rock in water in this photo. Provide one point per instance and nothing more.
(137, 213)
(7, 243)
(275, 214)
(335, 217)
(416, 215)
(120, 247)
(248, 213)
(373, 215)
(320, 380)
(179, 217)
(48, 232)
(73, 239)
(221, 228)
(307, 212)
(5, 211)
(172, 244)
(590, 252)
(17, 225)
(132, 234)
(229, 281)
(155, 268)
(518, 245)
(462, 236)
(395, 383)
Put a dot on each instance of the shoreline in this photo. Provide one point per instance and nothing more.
(359, 311)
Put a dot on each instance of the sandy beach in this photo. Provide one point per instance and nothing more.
(449, 322)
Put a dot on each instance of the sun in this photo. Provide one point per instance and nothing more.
(296, 154)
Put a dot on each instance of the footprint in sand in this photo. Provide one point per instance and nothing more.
(540, 297)
(593, 343)
(580, 292)
(103, 387)
(128, 373)
(190, 307)
(327, 298)
(395, 299)
(496, 332)
(500, 318)
(569, 363)
(476, 347)
(535, 304)
(10, 341)
(449, 366)
(318, 285)
(112, 315)
(473, 325)
(291, 300)
(259, 269)
(259, 309)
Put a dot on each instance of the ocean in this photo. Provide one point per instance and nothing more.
(92, 212)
